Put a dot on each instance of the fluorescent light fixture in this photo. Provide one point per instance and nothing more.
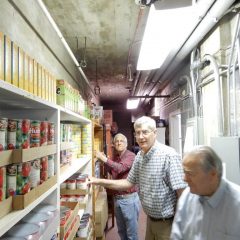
(132, 103)
(164, 30)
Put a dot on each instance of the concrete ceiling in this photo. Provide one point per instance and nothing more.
(106, 34)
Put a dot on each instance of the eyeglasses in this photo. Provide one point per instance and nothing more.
(145, 133)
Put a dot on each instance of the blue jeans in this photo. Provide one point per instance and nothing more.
(127, 213)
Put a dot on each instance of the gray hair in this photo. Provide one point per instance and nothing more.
(120, 135)
(209, 159)
(149, 122)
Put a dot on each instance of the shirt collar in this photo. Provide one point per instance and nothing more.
(147, 156)
(214, 200)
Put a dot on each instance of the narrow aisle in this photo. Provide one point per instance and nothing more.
(112, 233)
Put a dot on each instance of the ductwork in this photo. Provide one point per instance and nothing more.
(211, 13)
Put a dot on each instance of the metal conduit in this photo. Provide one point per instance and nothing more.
(219, 92)
(229, 71)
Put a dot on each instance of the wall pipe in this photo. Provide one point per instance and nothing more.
(219, 92)
(237, 27)
(216, 12)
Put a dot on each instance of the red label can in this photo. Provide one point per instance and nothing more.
(3, 133)
(51, 133)
(2, 183)
(35, 133)
(23, 134)
(23, 181)
(43, 133)
(44, 169)
(12, 134)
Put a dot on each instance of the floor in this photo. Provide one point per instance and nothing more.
(112, 233)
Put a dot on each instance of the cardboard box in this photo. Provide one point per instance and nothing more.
(26, 72)
(74, 229)
(75, 208)
(30, 87)
(101, 214)
(22, 201)
(7, 59)
(6, 157)
(35, 78)
(39, 80)
(20, 68)
(5, 207)
(25, 155)
(74, 192)
(15, 64)
(1, 56)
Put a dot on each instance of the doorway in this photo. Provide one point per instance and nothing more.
(175, 133)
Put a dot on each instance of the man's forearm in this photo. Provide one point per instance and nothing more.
(122, 184)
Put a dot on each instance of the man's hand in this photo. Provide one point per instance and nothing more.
(100, 156)
(92, 180)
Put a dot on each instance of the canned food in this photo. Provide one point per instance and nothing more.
(51, 133)
(40, 219)
(71, 184)
(23, 134)
(51, 165)
(2, 183)
(46, 208)
(11, 179)
(3, 133)
(11, 133)
(34, 133)
(34, 176)
(23, 181)
(25, 230)
(43, 133)
(44, 169)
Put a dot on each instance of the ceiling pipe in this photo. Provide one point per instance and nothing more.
(48, 15)
(216, 12)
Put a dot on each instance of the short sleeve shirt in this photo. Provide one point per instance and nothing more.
(159, 174)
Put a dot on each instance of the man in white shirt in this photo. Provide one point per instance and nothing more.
(209, 208)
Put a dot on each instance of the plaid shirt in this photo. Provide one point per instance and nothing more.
(119, 168)
(158, 174)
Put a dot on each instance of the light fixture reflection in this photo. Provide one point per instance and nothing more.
(132, 103)
(164, 30)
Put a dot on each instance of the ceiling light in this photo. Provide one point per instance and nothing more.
(163, 31)
(132, 103)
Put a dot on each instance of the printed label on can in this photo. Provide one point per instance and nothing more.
(3, 133)
(51, 166)
(43, 133)
(11, 180)
(23, 182)
(35, 134)
(51, 133)
(12, 134)
(34, 176)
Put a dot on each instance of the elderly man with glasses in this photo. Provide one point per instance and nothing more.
(126, 202)
(158, 172)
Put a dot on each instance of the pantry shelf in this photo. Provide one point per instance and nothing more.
(13, 217)
(67, 170)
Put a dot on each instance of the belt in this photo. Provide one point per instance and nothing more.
(161, 219)
(128, 195)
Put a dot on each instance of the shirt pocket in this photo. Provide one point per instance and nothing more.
(223, 236)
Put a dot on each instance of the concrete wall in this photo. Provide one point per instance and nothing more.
(27, 25)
